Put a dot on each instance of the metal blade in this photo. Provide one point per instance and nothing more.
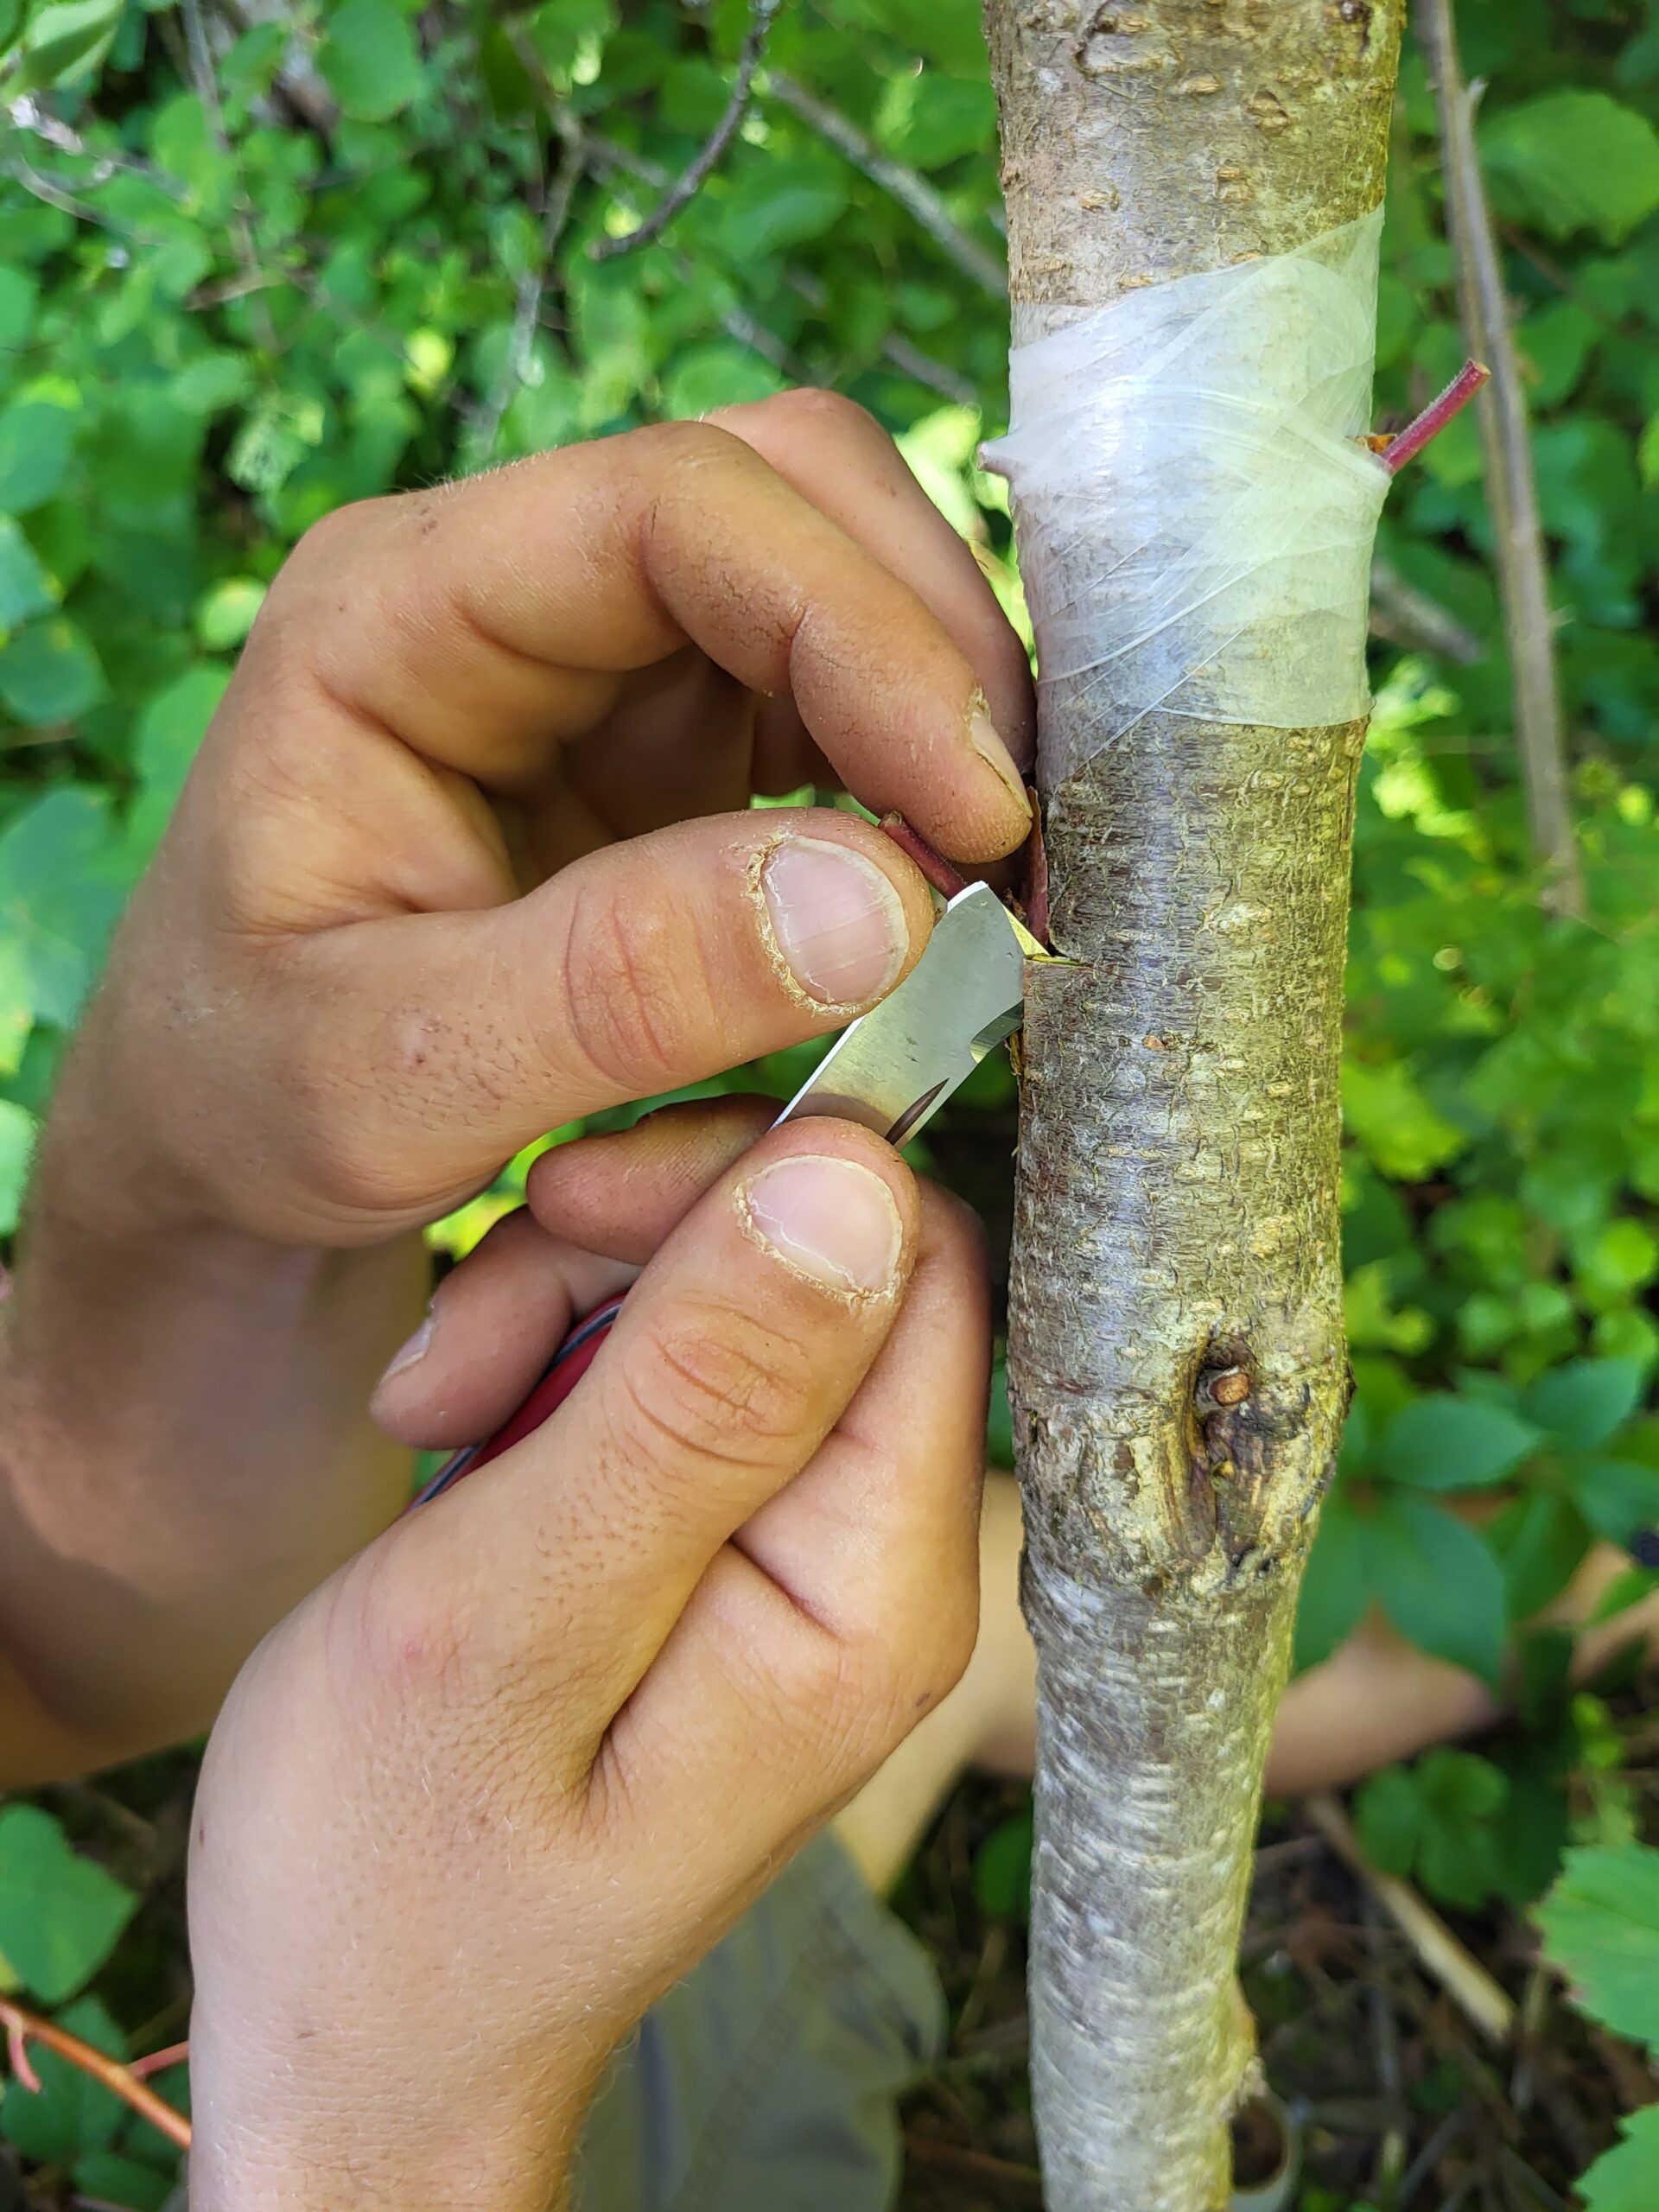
(896, 1066)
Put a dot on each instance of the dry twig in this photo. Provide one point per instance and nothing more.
(1483, 2001)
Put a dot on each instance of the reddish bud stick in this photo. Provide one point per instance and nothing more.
(934, 866)
(1435, 417)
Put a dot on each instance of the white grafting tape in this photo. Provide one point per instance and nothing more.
(1194, 499)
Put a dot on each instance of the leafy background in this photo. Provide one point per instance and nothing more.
(261, 258)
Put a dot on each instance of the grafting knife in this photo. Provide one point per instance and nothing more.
(891, 1070)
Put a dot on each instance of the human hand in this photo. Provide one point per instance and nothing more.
(451, 870)
(495, 1786)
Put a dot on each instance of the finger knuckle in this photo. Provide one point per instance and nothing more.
(811, 406)
(713, 1387)
(393, 1639)
(323, 544)
(629, 995)
(695, 446)
(914, 1663)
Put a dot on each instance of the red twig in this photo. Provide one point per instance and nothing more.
(1435, 417)
(158, 2061)
(24, 2027)
(17, 2058)
(934, 866)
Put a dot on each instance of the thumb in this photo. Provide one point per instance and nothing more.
(427, 1048)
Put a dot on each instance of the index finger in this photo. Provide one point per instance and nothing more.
(484, 622)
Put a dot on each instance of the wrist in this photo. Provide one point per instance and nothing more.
(386, 2154)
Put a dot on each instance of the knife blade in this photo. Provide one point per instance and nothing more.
(890, 1070)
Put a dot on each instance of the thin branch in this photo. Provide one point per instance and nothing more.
(206, 78)
(157, 2061)
(910, 361)
(24, 2027)
(299, 80)
(516, 364)
(1523, 574)
(680, 195)
(912, 193)
(1458, 1971)
(1403, 615)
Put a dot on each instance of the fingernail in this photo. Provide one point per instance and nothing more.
(832, 1218)
(410, 1354)
(984, 736)
(838, 922)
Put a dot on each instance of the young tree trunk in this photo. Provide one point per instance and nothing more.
(1177, 1357)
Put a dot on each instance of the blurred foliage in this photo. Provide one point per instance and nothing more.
(1600, 1924)
(261, 259)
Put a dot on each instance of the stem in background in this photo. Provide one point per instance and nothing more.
(685, 190)
(914, 193)
(24, 2027)
(1523, 574)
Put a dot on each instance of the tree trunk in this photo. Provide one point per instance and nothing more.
(1177, 1357)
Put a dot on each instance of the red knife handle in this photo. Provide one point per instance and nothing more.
(559, 1378)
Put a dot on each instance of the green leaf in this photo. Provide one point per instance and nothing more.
(720, 373)
(1586, 1401)
(371, 61)
(1601, 1927)
(224, 614)
(1336, 1585)
(1002, 1869)
(62, 40)
(1387, 1111)
(1446, 1443)
(930, 120)
(170, 730)
(998, 1421)
(1626, 2178)
(1388, 1820)
(20, 294)
(25, 589)
(60, 1915)
(1572, 160)
(782, 203)
(61, 890)
(50, 673)
(16, 1145)
(1439, 1820)
(1617, 1497)
(1626, 1589)
(36, 442)
(108, 2178)
(1440, 1583)
(72, 2114)
(1540, 1539)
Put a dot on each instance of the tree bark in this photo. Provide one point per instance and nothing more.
(1176, 1350)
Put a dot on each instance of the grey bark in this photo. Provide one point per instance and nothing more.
(1176, 1350)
